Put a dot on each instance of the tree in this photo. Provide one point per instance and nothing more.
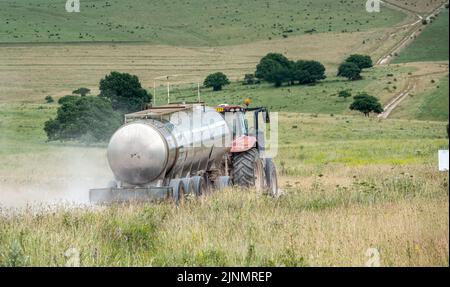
(216, 81)
(81, 91)
(49, 99)
(249, 79)
(124, 91)
(350, 71)
(344, 94)
(307, 72)
(83, 118)
(366, 104)
(267, 61)
(362, 61)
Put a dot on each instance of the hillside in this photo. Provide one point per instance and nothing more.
(320, 98)
(181, 22)
(431, 44)
(430, 105)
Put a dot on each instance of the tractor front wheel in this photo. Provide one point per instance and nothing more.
(248, 170)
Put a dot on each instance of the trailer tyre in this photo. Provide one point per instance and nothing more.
(199, 185)
(178, 190)
(189, 186)
(223, 182)
(248, 170)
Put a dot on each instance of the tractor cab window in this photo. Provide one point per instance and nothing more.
(237, 122)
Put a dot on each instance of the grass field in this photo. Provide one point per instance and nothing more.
(382, 82)
(431, 44)
(200, 23)
(29, 72)
(418, 6)
(430, 105)
(349, 184)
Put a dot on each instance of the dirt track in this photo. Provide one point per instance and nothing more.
(386, 59)
(412, 34)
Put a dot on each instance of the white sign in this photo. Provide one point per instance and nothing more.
(443, 160)
(373, 6)
(73, 6)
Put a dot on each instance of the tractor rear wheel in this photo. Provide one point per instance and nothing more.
(248, 170)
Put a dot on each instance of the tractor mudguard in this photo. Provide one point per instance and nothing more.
(243, 143)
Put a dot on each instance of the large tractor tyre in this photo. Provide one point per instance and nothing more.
(178, 190)
(248, 170)
(271, 178)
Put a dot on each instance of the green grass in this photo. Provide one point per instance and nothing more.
(349, 182)
(177, 22)
(320, 98)
(431, 44)
(432, 105)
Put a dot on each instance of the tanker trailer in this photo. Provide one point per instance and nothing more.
(177, 150)
(167, 152)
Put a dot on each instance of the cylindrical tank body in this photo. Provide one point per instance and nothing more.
(177, 145)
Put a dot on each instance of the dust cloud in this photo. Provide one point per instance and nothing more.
(59, 177)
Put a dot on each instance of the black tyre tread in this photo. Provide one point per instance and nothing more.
(243, 168)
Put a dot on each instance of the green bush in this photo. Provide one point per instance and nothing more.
(277, 69)
(267, 65)
(350, 71)
(49, 99)
(366, 104)
(124, 91)
(307, 72)
(216, 81)
(86, 119)
(344, 94)
(362, 61)
(81, 91)
(249, 79)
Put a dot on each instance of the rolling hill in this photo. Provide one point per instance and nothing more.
(184, 22)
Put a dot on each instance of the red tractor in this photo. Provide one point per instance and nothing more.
(247, 165)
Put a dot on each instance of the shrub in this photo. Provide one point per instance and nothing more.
(249, 79)
(81, 91)
(350, 71)
(344, 94)
(86, 119)
(366, 104)
(216, 81)
(308, 72)
(264, 68)
(124, 91)
(49, 99)
(362, 61)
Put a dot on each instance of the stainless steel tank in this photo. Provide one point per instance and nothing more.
(178, 144)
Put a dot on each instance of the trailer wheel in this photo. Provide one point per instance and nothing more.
(223, 182)
(248, 170)
(188, 186)
(178, 190)
(199, 185)
(272, 179)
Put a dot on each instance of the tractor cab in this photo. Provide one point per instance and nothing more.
(248, 165)
(245, 122)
